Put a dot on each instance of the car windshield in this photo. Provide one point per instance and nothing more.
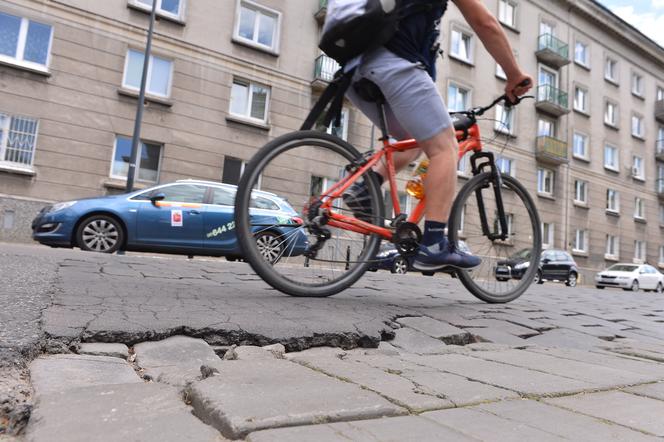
(521, 254)
(622, 268)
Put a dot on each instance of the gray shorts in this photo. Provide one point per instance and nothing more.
(414, 108)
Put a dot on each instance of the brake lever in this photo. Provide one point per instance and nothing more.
(509, 104)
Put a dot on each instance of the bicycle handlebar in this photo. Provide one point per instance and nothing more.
(479, 111)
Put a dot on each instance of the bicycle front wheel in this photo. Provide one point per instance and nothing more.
(508, 266)
(299, 168)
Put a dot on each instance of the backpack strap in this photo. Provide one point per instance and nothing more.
(334, 96)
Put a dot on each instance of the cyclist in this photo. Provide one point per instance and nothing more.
(405, 71)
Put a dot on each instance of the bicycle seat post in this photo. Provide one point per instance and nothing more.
(383, 120)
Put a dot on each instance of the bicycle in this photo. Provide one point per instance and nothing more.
(341, 246)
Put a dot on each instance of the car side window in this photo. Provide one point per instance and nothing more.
(551, 256)
(223, 197)
(184, 193)
(258, 202)
(145, 196)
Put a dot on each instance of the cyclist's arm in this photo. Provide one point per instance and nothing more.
(495, 41)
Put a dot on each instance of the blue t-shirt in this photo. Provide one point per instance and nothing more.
(417, 36)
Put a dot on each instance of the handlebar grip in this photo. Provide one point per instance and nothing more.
(524, 83)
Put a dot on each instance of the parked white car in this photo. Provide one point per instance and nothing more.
(631, 277)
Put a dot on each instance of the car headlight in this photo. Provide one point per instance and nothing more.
(61, 206)
(521, 266)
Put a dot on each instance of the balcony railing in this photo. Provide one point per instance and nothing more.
(552, 100)
(551, 150)
(325, 68)
(659, 110)
(552, 51)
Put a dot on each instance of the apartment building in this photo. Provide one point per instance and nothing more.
(226, 76)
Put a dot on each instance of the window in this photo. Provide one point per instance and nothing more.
(505, 165)
(500, 72)
(547, 235)
(184, 193)
(545, 181)
(637, 126)
(160, 72)
(458, 98)
(461, 46)
(249, 100)
(661, 256)
(611, 114)
(166, 8)
(147, 164)
(660, 93)
(581, 54)
(611, 158)
(638, 170)
(404, 203)
(660, 179)
(581, 99)
(341, 131)
(637, 84)
(223, 196)
(18, 138)
(639, 251)
(25, 42)
(581, 241)
(661, 214)
(462, 165)
(257, 26)
(612, 247)
(612, 201)
(580, 145)
(546, 127)
(504, 119)
(581, 192)
(639, 208)
(659, 144)
(611, 70)
(507, 12)
(233, 170)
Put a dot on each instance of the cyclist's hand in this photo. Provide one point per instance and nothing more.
(517, 86)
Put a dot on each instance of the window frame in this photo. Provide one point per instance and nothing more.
(471, 45)
(548, 243)
(586, 108)
(583, 63)
(4, 140)
(615, 201)
(499, 126)
(584, 136)
(243, 166)
(248, 117)
(615, 113)
(544, 172)
(610, 167)
(641, 176)
(614, 79)
(612, 250)
(639, 209)
(577, 236)
(149, 77)
(261, 9)
(641, 125)
(501, 159)
(141, 143)
(469, 98)
(584, 185)
(514, 5)
(640, 251)
(20, 47)
(636, 91)
(180, 17)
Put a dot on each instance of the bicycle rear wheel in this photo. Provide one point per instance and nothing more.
(300, 167)
(508, 266)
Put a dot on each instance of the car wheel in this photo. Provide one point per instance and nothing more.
(599, 287)
(270, 246)
(538, 278)
(400, 266)
(100, 233)
(635, 286)
(659, 288)
(571, 281)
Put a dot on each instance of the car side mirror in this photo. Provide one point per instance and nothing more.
(157, 197)
(546, 260)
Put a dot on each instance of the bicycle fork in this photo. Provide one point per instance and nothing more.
(478, 166)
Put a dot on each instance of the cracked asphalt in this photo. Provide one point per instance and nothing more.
(54, 300)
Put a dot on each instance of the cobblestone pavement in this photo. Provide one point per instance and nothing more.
(394, 358)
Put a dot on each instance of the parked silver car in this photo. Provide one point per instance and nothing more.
(631, 277)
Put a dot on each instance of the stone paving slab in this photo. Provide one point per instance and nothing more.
(253, 395)
(560, 422)
(598, 375)
(124, 412)
(176, 360)
(437, 329)
(654, 391)
(637, 412)
(100, 349)
(418, 342)
(518, 379)
(61, 373)
(566, 338)
(402, 429)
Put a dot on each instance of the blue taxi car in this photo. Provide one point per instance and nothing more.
(185, 217)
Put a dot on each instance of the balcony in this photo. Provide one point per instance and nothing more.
(552, 100)
(322, 11)
(659, 150)
(552, 51)
(324, 71)
(551, 150)
(659, 111)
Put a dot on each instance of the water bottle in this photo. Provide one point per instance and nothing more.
(415, 186)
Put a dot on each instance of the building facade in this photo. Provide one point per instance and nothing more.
(227, 76)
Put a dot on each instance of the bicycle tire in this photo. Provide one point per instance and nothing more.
(279, 154)
(486, 286)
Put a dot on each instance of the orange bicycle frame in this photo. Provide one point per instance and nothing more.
(468, 141)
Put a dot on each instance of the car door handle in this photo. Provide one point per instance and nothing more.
(194, 212)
